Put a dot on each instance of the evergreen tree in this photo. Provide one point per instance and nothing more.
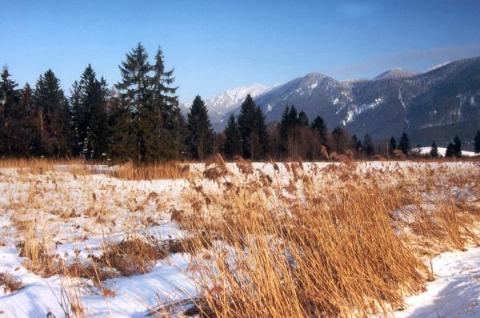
(450, 152)
(88, 103)
(261, 146)
(319, 126)
(233, 139)
(302, 119)
(476, 142)
(355, 143)
(136, 96)
(341, 139)
(288, 126)
(122, 138)
(9, 97)
(392, 146)
(434, 150)
(54, 119)
(174, 129)
(404, 144)
(248, 123)
(457, 147)
(22, 132)
(368, 146)
(157, 126)
(200, 133)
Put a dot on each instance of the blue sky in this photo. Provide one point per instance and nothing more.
(216, 45)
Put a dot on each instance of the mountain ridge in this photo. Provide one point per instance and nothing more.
(446, 97)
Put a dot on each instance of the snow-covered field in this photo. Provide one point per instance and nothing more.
(425, 151)
(74, 219)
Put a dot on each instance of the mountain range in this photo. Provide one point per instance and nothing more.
(434, 105)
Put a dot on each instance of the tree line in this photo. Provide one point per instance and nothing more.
(139, 119)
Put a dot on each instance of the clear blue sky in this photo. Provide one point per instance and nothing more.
(215, 45)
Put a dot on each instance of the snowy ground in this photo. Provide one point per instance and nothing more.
(425, 151)
(455, 292)
(78, 215)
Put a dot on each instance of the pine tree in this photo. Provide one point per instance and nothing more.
(341, 139)
(319, 126)
(288, 125)
(368, 146)
(476, 142)
(122, 139)
(355, 143)
(457, 147)
(156, 125)
(9, 97)
(200, 133)
(136, 96)
(450, 152)
(261, 133)
(233, 139)
(22, 132)
(392, 146)
(54, 119)
(88, 103)
(404, 144)
(434, 150)
(174, 128)
(302, 119)
(247, 123)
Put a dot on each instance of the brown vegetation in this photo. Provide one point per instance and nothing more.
(168, 170)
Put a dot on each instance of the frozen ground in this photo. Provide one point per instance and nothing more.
(80, 214)
(454, 293)
(441, 151)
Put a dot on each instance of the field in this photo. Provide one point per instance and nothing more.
(240, 239)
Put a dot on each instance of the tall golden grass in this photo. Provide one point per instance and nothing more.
(325, 251)
(328, 243)
(167, 170)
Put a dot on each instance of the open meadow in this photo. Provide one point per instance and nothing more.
(354, 239)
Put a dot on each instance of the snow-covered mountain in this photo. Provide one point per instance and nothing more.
(395, 73)
(227, 101)
(434, 105)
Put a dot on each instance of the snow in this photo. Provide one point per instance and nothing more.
(227, 101)
(357, 110)
(441, 151)
(455, 292)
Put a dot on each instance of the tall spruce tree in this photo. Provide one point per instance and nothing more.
(53, 117)
(174, 129)
(368, 146)
(476, 142)
(319, 126)
(340, 139)
(89, 114)
(457, 147)
(251, 123)
(156, 126)
(392, 146)
(450, 152)
(355, 143)
(288, 131)
(22, 132)
(404, 144)
(200, 132)
(121, 137)
(261, 133)
(9, 97)
(434, 150)
(302, 119)
(136, 97)
(233, 138)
